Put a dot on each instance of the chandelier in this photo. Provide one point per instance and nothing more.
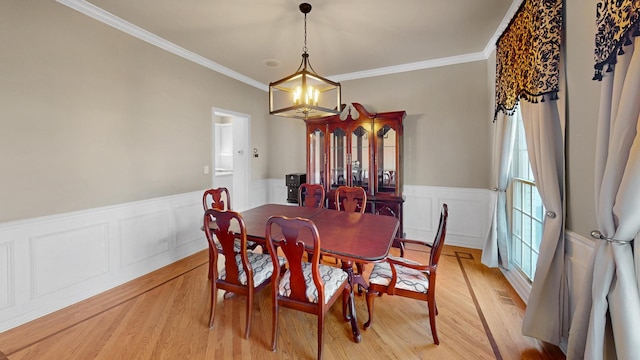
(304, 94)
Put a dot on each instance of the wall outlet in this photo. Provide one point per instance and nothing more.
(206, 169)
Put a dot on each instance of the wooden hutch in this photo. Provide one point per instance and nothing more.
(365, 151)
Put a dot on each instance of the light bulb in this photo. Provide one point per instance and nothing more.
(297, 94)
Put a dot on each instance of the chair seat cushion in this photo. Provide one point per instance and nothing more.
(260, 263)
(236, 245)
(407, 278)
(332, 277)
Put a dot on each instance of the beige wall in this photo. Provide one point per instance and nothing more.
(446, 131)
(582, 115)
(287, 141)
(441, 147)
(90, 116)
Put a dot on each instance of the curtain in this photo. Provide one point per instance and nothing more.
(527, 68)
(605, 324)
(528, 54)
(545, 314)
(496, 248)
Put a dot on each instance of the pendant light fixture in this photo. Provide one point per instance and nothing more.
(304, 94)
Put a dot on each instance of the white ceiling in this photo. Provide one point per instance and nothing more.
(346, 39)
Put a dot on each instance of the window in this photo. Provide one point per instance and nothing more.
(527, 210)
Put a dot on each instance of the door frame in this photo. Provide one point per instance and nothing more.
(241, 125)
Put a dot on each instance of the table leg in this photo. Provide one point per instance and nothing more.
(348, 267)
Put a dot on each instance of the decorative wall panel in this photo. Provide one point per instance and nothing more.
(143, 236)
(51, 262)
(6, 283)
(469, 214)
(65, 258)
(188, 222)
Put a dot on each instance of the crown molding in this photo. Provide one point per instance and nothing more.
(452, 60)
(116, 22)
(144, 35)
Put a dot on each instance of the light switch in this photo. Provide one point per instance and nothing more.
(206, 169)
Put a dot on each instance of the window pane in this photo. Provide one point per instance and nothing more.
(517, 223)
(526, 230)
(526, 260)
(527, 211)
(537, 234)
(526, 199)
(538, 208)
(517, 195)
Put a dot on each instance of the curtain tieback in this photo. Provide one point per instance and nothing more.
(550, 214)
(596, 234)
(499, 190)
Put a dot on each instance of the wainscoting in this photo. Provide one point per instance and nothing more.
(51, 262)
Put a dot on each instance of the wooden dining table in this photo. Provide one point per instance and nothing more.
(349, 237)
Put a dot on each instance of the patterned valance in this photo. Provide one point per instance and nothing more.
(528, 55)
(616, 21)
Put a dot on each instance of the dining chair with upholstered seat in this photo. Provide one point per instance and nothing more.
(244, 272)
(220, 199)
(311, 195)
(305, 286)
(403, 277)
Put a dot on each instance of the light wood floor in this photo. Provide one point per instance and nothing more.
(164, 316)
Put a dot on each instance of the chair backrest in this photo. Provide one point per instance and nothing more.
(218, 198)
(297, 237)
(438, 242)
(311, 195)
(224, 220)
(351, 199)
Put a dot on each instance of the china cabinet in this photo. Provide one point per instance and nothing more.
(364, 149)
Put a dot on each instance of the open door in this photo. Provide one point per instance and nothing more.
(231, 155)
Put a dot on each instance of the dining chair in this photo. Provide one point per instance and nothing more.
(305, 286)
(387, 211)
(351, 199)
(244, 272)
(220, 199)
(403, 277)
(311, 195)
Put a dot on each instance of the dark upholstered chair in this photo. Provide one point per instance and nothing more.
(403, 277)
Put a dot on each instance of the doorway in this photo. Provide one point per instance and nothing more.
(230, 155)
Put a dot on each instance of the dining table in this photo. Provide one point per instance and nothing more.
(349, 237)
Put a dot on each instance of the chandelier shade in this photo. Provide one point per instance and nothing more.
(304, 94)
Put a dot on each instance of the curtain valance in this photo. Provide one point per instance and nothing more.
(528, 55)
(616, 21)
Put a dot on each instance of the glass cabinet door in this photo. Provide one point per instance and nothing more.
(360, 157)
(338, 158)
(317, 155)
(386, 143)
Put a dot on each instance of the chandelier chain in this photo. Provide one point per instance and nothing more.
(304, 48)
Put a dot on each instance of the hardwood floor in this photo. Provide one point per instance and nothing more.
(164, 315)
